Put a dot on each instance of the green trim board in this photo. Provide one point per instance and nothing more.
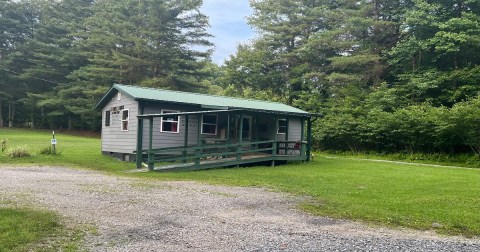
(202, 100)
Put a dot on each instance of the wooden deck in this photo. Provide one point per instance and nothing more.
(188, 158)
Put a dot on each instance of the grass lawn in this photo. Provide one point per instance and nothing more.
(25, 229)
(384, 193)
(21, 227)
(74, 150)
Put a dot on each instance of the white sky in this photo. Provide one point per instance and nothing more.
(228, 26)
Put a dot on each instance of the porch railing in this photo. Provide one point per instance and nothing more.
(216, 152)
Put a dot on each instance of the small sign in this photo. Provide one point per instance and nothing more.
(54, 141)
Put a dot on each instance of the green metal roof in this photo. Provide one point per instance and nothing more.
(205, 101)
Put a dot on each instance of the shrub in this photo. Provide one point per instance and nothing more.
(3, 144)
(48, 150)
(19, 151)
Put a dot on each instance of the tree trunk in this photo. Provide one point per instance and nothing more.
(10, 123)
(13, 112)
(32, 119)
(69, 122)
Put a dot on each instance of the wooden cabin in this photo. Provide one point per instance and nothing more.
(169, 130)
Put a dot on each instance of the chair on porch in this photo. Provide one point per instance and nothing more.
(289, 148)
(294, 148)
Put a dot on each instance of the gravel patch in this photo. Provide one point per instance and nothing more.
(142, 215)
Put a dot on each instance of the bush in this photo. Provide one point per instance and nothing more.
(3, 144)
(421, 128)
(19, 151)
(48, 150)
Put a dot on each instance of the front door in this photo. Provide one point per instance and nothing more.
(245, 129)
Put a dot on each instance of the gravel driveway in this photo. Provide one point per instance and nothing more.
(142, 215)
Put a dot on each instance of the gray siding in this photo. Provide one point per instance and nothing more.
(167, 139)
(294, 128)
(113, 138)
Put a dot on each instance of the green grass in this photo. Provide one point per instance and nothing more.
(464, 159)
(25, 229)
(73, 150)
(391, 194)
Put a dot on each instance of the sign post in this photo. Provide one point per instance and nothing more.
(54, 142)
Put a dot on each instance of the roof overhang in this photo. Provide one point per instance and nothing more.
(234, 110)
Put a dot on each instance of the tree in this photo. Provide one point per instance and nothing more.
(59, 57)
(285, 27)
(17, 21)
(143, 42)
(439, 52)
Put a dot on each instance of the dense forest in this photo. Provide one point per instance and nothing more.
(388, 75)
(57, 58)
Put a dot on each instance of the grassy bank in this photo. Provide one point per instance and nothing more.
(408, 195)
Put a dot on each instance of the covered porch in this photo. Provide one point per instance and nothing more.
(243, 137)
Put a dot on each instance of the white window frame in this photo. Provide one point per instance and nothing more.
(278, 127)
(108, 119)
(125, 120)
(119, 96)
(216, 124)
(167, 111)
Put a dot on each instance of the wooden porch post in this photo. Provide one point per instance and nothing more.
(302, 137)
(185, 141)
(240, 138)
(138, 158)
(255, 128)
(287, 122)
(139, 154)
(274, 144)
(199, 140)
(150, 144)
(309, 138)
(228, 128)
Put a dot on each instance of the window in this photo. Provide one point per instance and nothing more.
(119, 96)
(169, 123)
(282, 126)
(209, 124)
(125, 120)
(107, 118)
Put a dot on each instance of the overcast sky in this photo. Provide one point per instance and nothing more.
(228, 25)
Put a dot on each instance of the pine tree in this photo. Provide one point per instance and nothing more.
(143, 42)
